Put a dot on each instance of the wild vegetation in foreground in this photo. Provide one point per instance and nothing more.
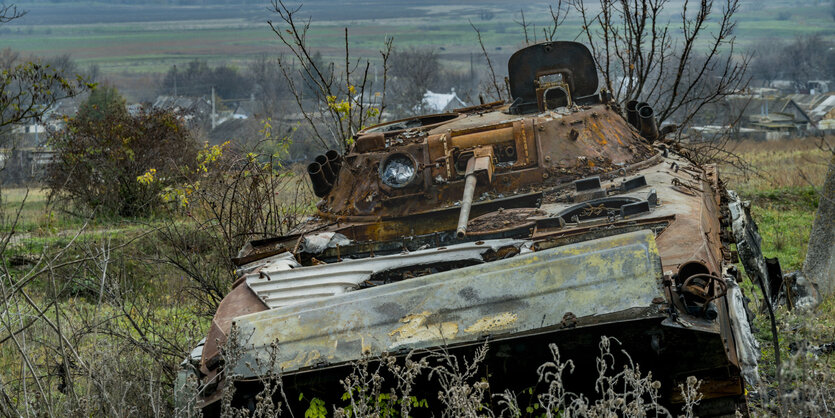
(107, 306)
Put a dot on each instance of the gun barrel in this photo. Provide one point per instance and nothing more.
(466, 205)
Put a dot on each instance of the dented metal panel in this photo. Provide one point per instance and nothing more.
(748, 241)
(523, 293)
(747, 347)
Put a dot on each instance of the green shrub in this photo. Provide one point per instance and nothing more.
(104, 152)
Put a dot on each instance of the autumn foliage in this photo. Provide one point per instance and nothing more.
(99, 159)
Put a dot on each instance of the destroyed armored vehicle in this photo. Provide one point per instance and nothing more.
(557, 217)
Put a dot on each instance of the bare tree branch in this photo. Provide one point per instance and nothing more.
(640, 60)
(339, 109)
(493, 78)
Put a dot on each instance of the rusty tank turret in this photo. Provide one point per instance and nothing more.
(556, 217)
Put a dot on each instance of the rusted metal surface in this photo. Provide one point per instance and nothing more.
(528, 154)
(524, 222)
(528, 66)
(240, 301)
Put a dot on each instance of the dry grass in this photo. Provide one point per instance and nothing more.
(383, 387)
(778, 164)
(807, 378)
(782, 180)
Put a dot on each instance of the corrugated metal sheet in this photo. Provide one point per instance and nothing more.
(280, 284)
(520, 294)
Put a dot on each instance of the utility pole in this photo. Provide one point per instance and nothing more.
(214, 115)
(472, 71)
(175, 80)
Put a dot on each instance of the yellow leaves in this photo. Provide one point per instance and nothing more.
(177, 195)
(205, 158)
(267, 129)
(209, 155)
(147, 178)
(342, 108)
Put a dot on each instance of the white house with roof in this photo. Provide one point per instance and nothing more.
(441, 102)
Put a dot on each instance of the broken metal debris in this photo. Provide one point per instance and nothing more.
(748, 349)
(398, 171)
(611, 274)
(818, 350)
(319, 242)
(798, 292)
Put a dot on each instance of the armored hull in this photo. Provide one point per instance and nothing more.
(555, 218)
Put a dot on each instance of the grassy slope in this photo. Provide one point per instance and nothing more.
(781, 185)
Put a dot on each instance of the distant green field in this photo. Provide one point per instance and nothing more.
(143, 39)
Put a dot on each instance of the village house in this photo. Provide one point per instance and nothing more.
(441, 102)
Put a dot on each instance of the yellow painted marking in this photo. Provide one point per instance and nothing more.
(366, 348)
(415, 329)
(312, 357)
(490, 323)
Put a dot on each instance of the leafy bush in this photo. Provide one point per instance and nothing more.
(229, 197)
(31, 87)
(104, 100)
(102, 152)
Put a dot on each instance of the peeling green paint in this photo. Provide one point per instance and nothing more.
(520, 294)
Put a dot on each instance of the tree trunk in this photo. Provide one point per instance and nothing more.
(819, 266)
